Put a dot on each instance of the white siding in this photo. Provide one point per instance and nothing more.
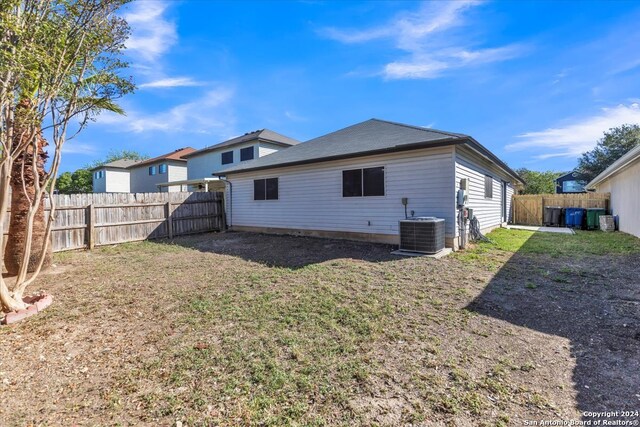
(205, 164)
(474, 168)
(118, 181)
(510, 192)
(625, 197)
(265, 149)
(176, 172)
(310, 196)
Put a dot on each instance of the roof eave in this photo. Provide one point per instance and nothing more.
(617, 166)
(492, 157)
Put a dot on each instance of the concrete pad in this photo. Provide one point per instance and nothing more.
(442, 253)
(560, 230)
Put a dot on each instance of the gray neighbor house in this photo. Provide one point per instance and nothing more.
(352, 183)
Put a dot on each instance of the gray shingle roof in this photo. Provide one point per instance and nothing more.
(369, 137)
(118, 164)
(266, 135)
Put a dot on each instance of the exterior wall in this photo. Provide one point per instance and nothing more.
(118, 181)
(114, 181)
(625, 202)
(176, 172)
(203, 165)
(510, 192)
(265, 149)
(310, 196)
(473, 167)
(142, 182)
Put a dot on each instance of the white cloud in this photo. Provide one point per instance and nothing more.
(171, 82)
(573, 139)
(152, 34)
(427, 38)
(209, 114)
(71, 147)
(294, 117)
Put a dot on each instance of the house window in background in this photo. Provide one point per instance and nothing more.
(227, 157)
(246, 154)
(162, 168)
(152, 170)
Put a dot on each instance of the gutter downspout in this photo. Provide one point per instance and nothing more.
(230, 225)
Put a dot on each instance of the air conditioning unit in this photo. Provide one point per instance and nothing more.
(422, 234)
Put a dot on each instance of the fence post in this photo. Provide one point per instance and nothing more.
(91, 229)
(167, 214)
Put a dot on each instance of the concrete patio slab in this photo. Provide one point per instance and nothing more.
(560, 230)
(442, 253)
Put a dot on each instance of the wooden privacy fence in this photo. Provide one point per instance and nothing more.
(89, 220)
(528, 209)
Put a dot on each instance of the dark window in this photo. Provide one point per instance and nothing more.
(488, 187)
(272, 188)
(373, 182)
(265, 189)
(162, 169)
(352, 183)
(363, 182)
(246, 154)
(227, 157)
(152, 170)
(259, 189)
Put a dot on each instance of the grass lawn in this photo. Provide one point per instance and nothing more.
(248, 329)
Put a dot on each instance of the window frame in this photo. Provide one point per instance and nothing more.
(152, 170)
(261, 184)
(363, 192)
(161, 167)
(222, 159)
(246, 150)
(488, 179)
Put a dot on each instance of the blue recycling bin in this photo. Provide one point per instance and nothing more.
(574, 217)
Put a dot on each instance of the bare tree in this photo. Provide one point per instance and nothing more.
(59, 67)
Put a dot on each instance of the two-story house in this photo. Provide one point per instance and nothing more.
(201, 164)
(129, 176)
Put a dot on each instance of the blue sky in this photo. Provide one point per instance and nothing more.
(535, 82)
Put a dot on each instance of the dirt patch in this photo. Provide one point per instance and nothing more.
(248, 329)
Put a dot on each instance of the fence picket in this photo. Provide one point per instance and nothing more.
(88, 220)
(528, 209)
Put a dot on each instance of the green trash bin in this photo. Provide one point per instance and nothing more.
(593, 218)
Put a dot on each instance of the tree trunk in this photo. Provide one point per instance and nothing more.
(22, 193)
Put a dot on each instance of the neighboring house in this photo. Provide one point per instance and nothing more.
(202, 163)
(130, 176)
(113, 177)
(350, 183)
(571, 182)
(147, 174)
(622, 180)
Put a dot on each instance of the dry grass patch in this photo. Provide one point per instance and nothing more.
(246, 329)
